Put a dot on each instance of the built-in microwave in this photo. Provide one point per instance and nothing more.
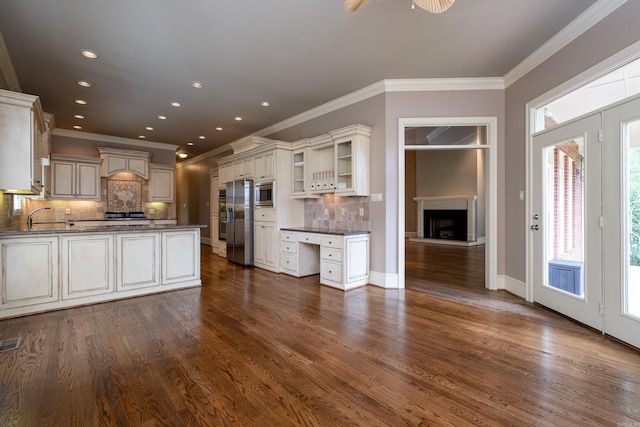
(265, 194)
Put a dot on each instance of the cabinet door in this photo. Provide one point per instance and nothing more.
(265, 244)
(28, 271)
(298, 172)
(264, 166)
(63, 180)
(87, 265)
(88, 181)
(259, 243)
(138, 259)
(243, 169)
(357, 259)
(161, 185)
(181, 257)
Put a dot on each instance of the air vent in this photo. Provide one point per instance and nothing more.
(9, 344)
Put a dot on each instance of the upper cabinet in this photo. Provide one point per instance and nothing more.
(24, 139)
(352, 160)
(116, 160)
(74, 177)
(263, 166)
(162, 183)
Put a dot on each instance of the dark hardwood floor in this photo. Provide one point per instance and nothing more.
(254, 348)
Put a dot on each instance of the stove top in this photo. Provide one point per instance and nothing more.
(124, 215)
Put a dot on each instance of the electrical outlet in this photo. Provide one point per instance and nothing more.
(343, 211)
(152, 211)
(67, 211)
(361, 212)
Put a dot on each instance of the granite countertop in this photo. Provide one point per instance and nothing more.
(333, 231)
(64, 228)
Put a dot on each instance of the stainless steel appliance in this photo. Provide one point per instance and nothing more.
(240, 222)
(222, 214)
(264, 194)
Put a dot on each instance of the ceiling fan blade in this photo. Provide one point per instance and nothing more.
(434, 6)
(353, 5)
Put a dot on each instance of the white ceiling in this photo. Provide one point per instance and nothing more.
(295, 54)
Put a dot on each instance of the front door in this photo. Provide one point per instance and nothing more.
(566, 233)
(622, 221)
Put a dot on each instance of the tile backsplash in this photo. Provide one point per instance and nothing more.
(335, 212)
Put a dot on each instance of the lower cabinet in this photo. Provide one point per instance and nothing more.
(53, 271)
(180, 256)
(138, 260)
(265, 246)
(87, 265)
(28, 271)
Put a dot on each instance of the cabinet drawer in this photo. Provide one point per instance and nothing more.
(289, 261)
(331, 254)
(331, 271)
(289, 237)
(311, 238)
(290, 247)
(332, 242)
(264, 214)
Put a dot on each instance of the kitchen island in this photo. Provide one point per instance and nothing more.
(340, 256)
(51, 266)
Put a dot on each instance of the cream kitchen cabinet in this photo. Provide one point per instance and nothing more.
(225, 174)
(28, 271)
(162, 183)
(22, 133)
(265, 254)
(87, 265)
(180, 256)
(243, 169)
(264, 166)
(138, 260)
(352, 160)
(75, 177)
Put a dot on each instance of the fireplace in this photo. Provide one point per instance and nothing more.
(445, 224)
(447, 217)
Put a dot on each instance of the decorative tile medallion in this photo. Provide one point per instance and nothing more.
(124, 196)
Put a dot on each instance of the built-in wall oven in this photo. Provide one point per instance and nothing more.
(222, 214)
(264, 194)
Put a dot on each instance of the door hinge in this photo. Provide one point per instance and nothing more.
(600, 135)
(601, 307)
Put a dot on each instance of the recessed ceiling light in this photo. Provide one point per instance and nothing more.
(81, 102)
(141, 136)
(218, 128)
(89, 54)
(78, 116)
(183, 155)
(189, 143)
(237, 119)
(149, 128)
(77, 127)
(265, 104)
(202, 137)
(83, 83)
(197, 85)
(176, 104)
(162, 117)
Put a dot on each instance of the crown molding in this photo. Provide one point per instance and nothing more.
(590, 17)
(113, 139)
(6, 66)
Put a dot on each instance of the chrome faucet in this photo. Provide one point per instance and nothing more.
(30, 217)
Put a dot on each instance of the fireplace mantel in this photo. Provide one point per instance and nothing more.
(467, 203)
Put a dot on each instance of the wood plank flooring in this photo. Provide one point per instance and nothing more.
(253, 348)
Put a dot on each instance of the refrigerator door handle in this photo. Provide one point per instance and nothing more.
(229, 214)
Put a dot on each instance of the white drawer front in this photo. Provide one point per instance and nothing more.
(290, 247)
(264, 214)
(311, 238)
(331, 254)
(331, 271)
(289, 237)
(332, 242)
(289, 261)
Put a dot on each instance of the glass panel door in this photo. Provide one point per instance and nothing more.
(566, 235)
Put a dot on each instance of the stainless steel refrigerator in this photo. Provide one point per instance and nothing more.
(240, 222)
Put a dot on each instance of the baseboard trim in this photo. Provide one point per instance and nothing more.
(205, 241)
(383, 280)
(513, 286)
(410, 234)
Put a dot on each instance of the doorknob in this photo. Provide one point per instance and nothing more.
(535, 227)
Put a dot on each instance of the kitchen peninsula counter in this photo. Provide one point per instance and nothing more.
(59, 265)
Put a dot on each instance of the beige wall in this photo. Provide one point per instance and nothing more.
(614, 33)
